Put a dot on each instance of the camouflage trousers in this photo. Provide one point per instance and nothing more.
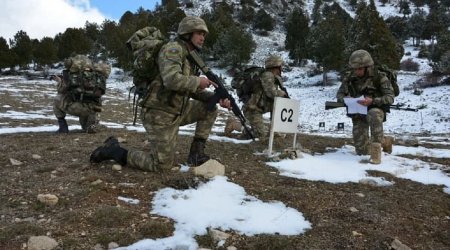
(162, 131)
(255, 118)
(86, 112)
(361, 125)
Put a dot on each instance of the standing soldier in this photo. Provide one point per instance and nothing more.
(377, 98)
(79, 92)
(263, 95)
(168, 106)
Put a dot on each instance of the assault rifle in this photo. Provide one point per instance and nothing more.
(399, 106)
(220, 92)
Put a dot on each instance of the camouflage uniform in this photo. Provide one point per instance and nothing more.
(261, 101)
(383, 96)
(64, 104)
(168, 107)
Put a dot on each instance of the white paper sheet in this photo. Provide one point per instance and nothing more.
(353, 107)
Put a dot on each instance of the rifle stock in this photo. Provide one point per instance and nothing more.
(220, 92)
(333, 105)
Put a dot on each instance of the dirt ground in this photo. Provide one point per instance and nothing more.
(88, 212)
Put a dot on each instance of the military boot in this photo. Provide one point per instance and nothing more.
(197, 155)
(375, 153)
(63, 128)
(111, 150)
(387, 144)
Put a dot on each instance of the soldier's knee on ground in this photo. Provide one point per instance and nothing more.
(231, 125)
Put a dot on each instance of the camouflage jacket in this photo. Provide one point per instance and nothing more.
(364, 86)
(264, 94)
(177, 82)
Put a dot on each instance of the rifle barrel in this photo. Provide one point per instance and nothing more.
(333, 105)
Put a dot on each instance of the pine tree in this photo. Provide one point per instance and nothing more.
(45, 52)
(247, 14)
(22, 46)
(232, 53)
(316, 16)
(297, 32)
(370, 32)
(6, 56)
(326, 43)
(404, 8)
(416, 26)
(263, 21)
(399, 27)
(442, 46)
(218, 22)
(73, 41)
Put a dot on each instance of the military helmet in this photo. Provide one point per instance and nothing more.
(273, 61)
(190, 24)
(360, 59)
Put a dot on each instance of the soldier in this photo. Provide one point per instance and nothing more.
(361, 82)
(79, 92)
(263, 95)
(168, 106)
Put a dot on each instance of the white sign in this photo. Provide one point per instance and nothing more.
(284, 119)
(285, 115)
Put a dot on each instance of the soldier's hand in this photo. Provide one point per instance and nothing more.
(205, 83)
(283, 93)
(366, 102)
(225, 103)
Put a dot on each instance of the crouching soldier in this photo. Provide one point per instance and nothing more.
(168, 105)
(80, 89)
(378, 94)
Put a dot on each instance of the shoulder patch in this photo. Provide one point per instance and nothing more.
(172, 52)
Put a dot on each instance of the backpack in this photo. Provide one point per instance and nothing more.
(245, 81)
(145, 45)
(391, 75)
(84, 80)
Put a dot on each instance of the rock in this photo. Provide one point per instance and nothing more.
(96, 182)
(48, 199)
(398, 245)
(210, 169)
(116, 167)
(98, 247)
(354, 210)
(368, 181)
(36, 156)
(113, 245)
(41, 243)
(15, 162)
(356, 234)
(217, 235)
